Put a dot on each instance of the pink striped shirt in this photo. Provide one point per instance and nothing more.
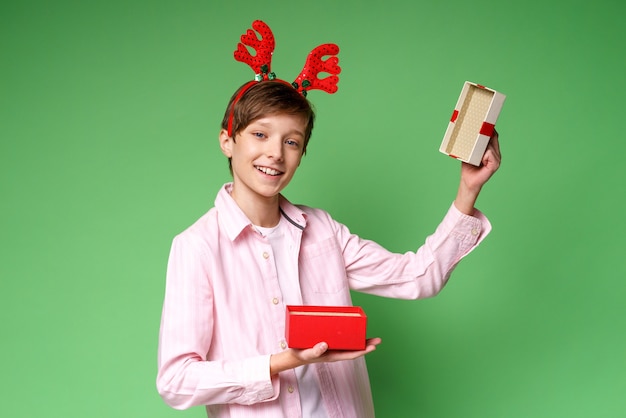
(223, 313)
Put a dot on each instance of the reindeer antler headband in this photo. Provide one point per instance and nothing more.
(261, 64)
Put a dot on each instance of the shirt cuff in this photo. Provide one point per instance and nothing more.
(261, 387)
(469, 230)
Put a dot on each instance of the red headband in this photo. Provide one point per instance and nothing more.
(261, 64)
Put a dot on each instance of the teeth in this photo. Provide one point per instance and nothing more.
(269, 171)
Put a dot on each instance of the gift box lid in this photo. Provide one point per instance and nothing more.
(472, 123)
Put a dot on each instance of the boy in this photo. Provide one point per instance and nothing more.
(231, 274)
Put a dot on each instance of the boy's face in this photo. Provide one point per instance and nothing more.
(265, 155)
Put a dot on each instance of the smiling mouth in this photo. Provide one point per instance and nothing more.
(269, 171)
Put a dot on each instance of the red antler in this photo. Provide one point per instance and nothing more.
(308, 78)
(261, 62)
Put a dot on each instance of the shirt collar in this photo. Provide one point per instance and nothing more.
(234, 221)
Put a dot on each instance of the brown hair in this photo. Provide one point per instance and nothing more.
(269, 98)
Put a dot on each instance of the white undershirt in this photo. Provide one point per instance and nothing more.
(286, 259)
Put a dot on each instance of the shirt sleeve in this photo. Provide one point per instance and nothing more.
(415, 274)
(185, 377)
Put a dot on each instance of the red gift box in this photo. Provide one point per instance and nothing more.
(472, 123)
(341, 327)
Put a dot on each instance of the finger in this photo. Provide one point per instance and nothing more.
(491, 159)
(373, 341)
(495, 142)
(492, 153)
(320, 348)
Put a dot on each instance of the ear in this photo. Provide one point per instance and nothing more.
(226, 143)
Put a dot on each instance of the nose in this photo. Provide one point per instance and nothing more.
(274, 149)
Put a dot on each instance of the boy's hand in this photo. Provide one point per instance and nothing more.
(474, 178)
(319, 353)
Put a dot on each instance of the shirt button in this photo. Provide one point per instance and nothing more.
(283, 345)
(475, 231)
(266, 255)
(290, 389)
(275, 301)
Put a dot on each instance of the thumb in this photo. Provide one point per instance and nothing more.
(320, 348)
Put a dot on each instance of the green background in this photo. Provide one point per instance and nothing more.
(109, 115)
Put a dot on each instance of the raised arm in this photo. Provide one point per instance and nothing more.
(474, 178)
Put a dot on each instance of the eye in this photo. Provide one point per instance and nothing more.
(259, 135)
(292, 143)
